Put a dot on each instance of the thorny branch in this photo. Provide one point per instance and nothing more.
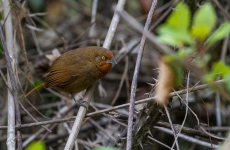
(135, 77)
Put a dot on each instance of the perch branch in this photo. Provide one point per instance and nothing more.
(192, 89)
(82, 111)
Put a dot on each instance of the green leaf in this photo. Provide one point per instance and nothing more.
(227, 80)
(105, 148)
(203, 22)
(174, 36)
(221, 68)
(200, 32)
(219, 34)
(175, 31)
(176, 68)
(178, 73)
(169, 40)
(36, 145)
(180, 17)
(209, 77)
(184, 52)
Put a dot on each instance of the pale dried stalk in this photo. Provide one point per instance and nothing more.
(135, 76)
(172, 94)
(113, 25)
(188, 138)
(93, 18)
(79, 119)
(11, 143)
(82, 111)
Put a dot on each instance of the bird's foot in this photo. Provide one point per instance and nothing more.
(82, 103)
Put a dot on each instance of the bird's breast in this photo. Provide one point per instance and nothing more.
(104, 68)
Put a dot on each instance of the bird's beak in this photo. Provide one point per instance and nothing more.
(111, 61)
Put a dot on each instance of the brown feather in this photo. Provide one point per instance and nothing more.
(58, 78)
(76, 70)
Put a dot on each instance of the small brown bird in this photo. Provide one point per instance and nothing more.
(76, 70)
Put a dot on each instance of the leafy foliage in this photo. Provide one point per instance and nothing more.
(203, 24)
(219, 34)
(105, 148)
(180, 18)
(176, 32)
(221, 69)
(36, 145)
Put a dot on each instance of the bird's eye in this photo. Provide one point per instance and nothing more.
(103, 57)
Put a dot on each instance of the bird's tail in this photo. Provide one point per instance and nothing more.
(35, 88)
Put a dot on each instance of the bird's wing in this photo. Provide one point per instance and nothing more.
(59, 78)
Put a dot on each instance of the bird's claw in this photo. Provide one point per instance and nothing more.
(82, 103)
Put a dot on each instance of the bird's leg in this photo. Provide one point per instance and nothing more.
(80, 103)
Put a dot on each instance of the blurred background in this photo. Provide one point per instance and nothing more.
(43, 27)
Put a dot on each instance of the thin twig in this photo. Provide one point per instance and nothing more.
(176, 93)
(32, 137)
(130, 47)
(5, 80)
(122, 80)
(64, 111)
(79, 119)
(226, 13)
(186, 110)
(93, 18)
(101, 129)
(13, 105)
(210, 135)
(163, 16)
(113, 25)
(217, 95)
(159, 142)
(135, 77)
(88, 144)
(172, 128)
(31, 116)
(22, 41)
(198, 122)
(188, 138)
(191, 131)
(38, 48)
(133, 23)
(20, 87)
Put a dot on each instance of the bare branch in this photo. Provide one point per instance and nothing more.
(93, 18)
(187, 138)
(82, 111)
(79, 119)
(113, 25)
(192, 89)
(12, 98)
(135, 76)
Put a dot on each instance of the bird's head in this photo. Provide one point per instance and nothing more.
(104, 61)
